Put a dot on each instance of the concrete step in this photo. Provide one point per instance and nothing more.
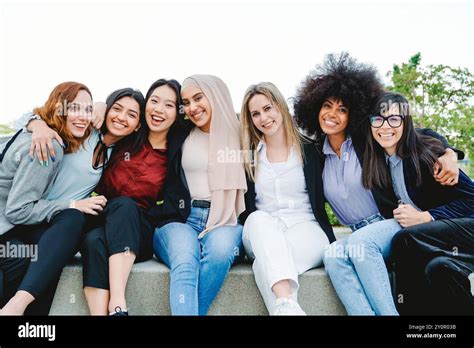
(147, 291)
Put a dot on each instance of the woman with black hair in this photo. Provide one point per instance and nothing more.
(434, 254)
(330, 104)
(133, 181)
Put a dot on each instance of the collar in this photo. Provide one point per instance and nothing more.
(328, 150)
(393, 160)
(262, 152)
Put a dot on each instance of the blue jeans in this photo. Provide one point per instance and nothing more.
(198, 267)
(358, 272)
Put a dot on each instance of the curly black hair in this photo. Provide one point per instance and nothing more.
(340, 76)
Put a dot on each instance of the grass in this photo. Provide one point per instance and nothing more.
(5, 129)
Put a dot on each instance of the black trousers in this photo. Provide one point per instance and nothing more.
(121, 227)
(38, 273)
(432, 263)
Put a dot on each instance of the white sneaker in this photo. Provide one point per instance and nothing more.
(287, 306)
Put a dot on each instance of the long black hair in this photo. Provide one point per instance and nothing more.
(110, 101)
(132, 146)
(421, 150)
(340, 76)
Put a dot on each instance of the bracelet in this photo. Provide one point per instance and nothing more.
(34, 117)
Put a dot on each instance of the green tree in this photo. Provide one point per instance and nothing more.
(441, 98)
(5, 129)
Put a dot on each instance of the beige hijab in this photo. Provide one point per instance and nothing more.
(226, 173)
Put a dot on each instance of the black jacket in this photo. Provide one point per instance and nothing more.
(385, 199)
(176, 204)
(312, 168)
(442, 202)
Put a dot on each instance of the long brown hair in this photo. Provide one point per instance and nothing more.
(419, 149)
(53, 113)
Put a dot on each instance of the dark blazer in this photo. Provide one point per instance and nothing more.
(385, 198)
(442, 202)
(312, 169)
(176, 204)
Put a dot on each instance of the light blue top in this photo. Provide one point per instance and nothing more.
(342, 180)
(398, 179)
(77, 178)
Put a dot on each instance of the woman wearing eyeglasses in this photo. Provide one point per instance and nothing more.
(434, 254)
(330, 104)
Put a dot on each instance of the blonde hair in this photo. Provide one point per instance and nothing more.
(251, 136)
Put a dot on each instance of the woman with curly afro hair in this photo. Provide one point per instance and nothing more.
(332, 104)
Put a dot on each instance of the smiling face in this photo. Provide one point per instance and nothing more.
(123, 117)
(387, 136)
(333, 117)
(266, 117)
(160, 110)
(197, 107)
(79, 114)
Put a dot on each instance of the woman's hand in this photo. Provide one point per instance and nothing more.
(406, 215)
(42, 140)
(92, 205)
(99, 114)
(446, 172)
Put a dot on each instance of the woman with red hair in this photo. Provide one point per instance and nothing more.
(39, 234)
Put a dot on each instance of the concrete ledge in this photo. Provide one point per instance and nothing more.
(147, 291)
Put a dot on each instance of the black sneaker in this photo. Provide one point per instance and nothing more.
(119, 312)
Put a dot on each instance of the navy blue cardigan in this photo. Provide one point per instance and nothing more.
(442, 202)
(385, 198)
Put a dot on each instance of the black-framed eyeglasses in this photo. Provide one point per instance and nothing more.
(393, 121)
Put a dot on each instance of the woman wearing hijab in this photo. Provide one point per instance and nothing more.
(198, 235)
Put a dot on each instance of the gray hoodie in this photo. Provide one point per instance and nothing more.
(24, 184)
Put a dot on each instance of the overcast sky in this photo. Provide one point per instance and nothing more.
(113, 44)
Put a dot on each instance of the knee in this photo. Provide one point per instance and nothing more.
(257, 217)
(359, 245)
(256, 224)
(438, 270)
(122, 204)
(165, 238)
(93, 242)
(401, 239)
(73, 218)
(332, 256)
(223, 252)
(185, 261)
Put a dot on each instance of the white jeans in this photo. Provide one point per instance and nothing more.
(281, 253)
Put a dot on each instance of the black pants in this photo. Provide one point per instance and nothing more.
(432, 263)
(121, 227)
(55, 244)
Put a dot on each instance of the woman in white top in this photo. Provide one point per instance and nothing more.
(288, 229)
